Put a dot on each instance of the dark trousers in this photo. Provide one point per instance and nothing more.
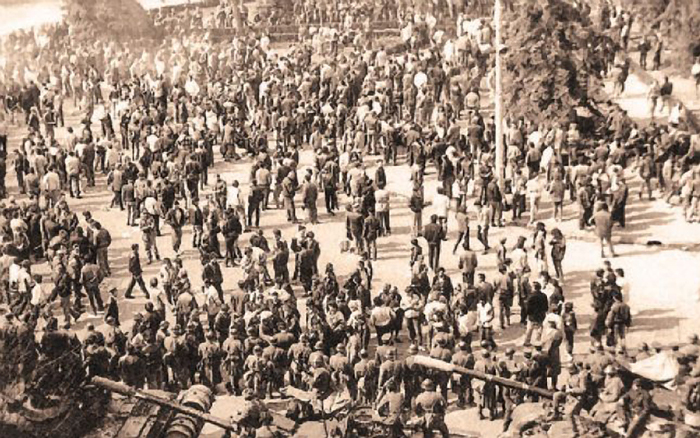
(254, 209)
(518, 206)
(384, 222)
(483, 235)
(462, 235)
(176, 238)
(434, 256)
(585, 218)
(117, 200)
(232, 252)
(331, 200)
(93, 293)
(468, 278)
(134, 280)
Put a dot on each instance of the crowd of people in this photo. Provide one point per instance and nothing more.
(157, 121)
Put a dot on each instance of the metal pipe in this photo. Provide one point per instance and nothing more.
(450, 368)
(121, 388)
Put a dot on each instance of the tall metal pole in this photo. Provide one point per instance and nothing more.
(498, 116)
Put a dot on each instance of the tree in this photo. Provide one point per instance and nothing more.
(553, 59)
(108, 19)
(676, 21)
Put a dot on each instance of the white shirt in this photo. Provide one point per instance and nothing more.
(441, 204)
(233, 196)
(38, 295)
(485, 312)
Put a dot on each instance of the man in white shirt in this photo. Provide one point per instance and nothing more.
(534, 194)
(485, 315)
(441, 206)
(39, 296)
(73, 171)
(234, 200)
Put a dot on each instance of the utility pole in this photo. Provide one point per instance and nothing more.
(498, 116)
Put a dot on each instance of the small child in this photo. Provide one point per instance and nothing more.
(570, 326)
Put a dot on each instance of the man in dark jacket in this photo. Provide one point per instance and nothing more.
(232, 230)
(176, 219)
(434, 234)
(355, 228)
(280, 259)
(537, 305)
(371, 232)
(136, 272)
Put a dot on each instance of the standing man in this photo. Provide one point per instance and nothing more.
(330, 189)
(603, 229)
(136, 272)
(232, 229)
(91, 277)
(585, 197)
(288, 192)
(416, 206)
(355, 228)
(148, 234)
(382, 206)
(176, 219)
(468, 264)
(115, 181)
(537, 306)
(103, 240)
(371, 233)
(434, 234)
(309, 198)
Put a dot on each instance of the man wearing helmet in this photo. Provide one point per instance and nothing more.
(461, 384)
(390, 407)
(429, 408)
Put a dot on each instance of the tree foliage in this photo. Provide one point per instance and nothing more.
(552, 60)
(677, 21)
(120, 20)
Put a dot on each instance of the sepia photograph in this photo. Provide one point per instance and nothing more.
(349, 218)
